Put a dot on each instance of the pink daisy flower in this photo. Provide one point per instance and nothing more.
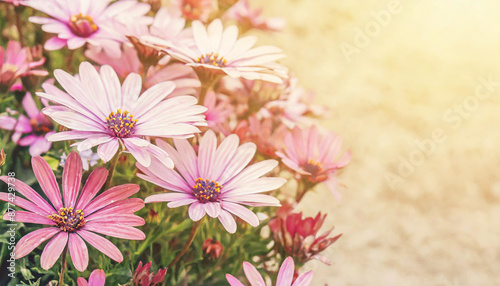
(218, 51)
(96, 278)
(285, 276)
(314, 156)
(214, 182)
(100, 111)
(77, 219)
(252, 19)
(35, 127)
(87, 21)
(16, 64)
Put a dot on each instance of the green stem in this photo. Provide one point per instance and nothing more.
(194, 229)
(63, 266)
(112, 167)
(148, 240)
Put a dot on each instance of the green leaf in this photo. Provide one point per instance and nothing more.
(27, 273)
(53, 162)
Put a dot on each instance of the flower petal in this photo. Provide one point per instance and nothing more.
(114, 230)
(227, 221)
(30, 106)
(187, 164)
(206, 154)
(167, 197)
(39, 146)
(212, 208)
(97, 278)
(28, 193)
(251, 173)
(223, 156)
(232, 280)
(33, 239)
(112, 195)
(72, 177)
(47, 181)
(80, 281)
(102, 244)
(78, 251)
(151, 97)
(53, 250)
(121, 219)
(22, 203)
(28, 217)
(94, 183)
(107, 150)
(253, 275)
(140, 153)
(304, 279)
(196, 211)
(240, 160)
(285, 275)
(241, 212)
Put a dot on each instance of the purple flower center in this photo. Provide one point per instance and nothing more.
(206, 190)
(212, 59)
(82, 25)
(312, 167)
(68, 220)
(121, 125)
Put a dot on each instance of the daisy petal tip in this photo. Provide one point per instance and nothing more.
(119, 259)
(142, 237)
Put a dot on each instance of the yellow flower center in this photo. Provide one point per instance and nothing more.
(82, 25)
(206, 190)
(121, 124)
(68, 220)
(212, 59)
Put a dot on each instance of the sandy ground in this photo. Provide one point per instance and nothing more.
(413, 104)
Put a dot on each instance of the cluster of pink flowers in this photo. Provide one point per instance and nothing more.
(206, 115)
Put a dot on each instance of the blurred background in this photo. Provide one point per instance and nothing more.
(414, 89)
